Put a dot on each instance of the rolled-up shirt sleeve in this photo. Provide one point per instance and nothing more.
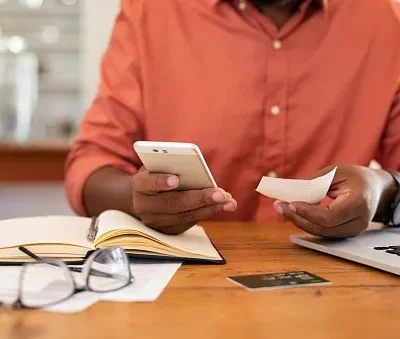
(113, 122)
(389, 150)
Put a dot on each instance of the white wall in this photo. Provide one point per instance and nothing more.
(31, 199)
(97, 19)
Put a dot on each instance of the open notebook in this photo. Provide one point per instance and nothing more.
(64, 237)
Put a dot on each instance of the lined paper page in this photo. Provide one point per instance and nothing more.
(309, 191)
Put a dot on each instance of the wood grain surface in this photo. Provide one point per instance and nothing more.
(200, 302)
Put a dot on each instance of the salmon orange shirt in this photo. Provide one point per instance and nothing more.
(322, 90)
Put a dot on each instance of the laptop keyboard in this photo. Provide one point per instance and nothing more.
(389, 249)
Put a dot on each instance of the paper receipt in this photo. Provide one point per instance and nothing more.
(289, 190)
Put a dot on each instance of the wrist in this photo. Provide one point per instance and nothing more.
(108, 188)
(389, 189)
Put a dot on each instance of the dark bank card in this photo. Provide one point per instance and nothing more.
(278, 280)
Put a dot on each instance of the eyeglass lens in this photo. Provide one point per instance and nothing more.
(114, 263)
(44, 284)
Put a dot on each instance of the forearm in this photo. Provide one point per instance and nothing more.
(389, 190)
(108, 188)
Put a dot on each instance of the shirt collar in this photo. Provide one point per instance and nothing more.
(324, 3)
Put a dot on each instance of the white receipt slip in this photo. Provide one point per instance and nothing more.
(309, 191)
(151, 278)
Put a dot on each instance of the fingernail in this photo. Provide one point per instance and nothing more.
(292, 208)
(279, 209)
(229, 207)
(218, 197)
(172, 181)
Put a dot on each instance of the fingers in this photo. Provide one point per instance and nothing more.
(176, 202)
(300, 222)
(180, 222)
(176, 229)
(344, 208)
(147, 183)
(319, 221)
(157, 203)
(346, 230)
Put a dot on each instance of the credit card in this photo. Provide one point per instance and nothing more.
(280, 280)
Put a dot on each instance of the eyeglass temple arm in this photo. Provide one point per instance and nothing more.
(93, 271)
(34, 256)
(29, 253)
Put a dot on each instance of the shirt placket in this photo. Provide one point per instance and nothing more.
(275, 106)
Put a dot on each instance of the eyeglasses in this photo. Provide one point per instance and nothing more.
(48, 282)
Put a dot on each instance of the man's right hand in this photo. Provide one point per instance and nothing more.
(160, 207)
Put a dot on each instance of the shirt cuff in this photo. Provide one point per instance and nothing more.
(79, 172)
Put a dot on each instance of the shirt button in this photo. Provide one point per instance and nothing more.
(272, 174)
(275, 110)
(242, 5)
(277, 44)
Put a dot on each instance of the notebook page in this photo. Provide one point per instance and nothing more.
(310, 191)
(194, 240)
(45, 229)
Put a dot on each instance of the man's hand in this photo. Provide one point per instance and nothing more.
(160, 207)
(358, 193)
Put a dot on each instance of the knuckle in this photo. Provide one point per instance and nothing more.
(170, 231)
(173, 203)
(175, 230)
(301, 212)
(202, 199)
(136, 181)
(139, 207)
(151, 221)
(317, 229)
(325, 220)
(217, 209)
(363, 202)
(154, 183)
(158, 181)
(146, 219)
(370, 204)
(186, 217)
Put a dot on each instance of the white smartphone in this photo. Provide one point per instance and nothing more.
(182, 159)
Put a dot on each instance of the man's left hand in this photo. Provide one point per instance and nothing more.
(358, 195)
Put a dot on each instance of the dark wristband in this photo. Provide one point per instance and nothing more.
(394, 213)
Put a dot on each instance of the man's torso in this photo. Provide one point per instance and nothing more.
(258, 101)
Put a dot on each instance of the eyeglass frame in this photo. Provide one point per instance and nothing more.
(18, 303)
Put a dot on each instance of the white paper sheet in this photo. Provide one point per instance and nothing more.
(309, 191)
(151, 278)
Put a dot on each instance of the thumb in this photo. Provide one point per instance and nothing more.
(142, 169)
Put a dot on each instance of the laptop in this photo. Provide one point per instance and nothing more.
(377, 247)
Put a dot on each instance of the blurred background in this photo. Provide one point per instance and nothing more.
(49, 63)
(49, 69)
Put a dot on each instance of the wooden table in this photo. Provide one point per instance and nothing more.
(201, 303)
(33, 162)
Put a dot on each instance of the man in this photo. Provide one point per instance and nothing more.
(264, 87)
